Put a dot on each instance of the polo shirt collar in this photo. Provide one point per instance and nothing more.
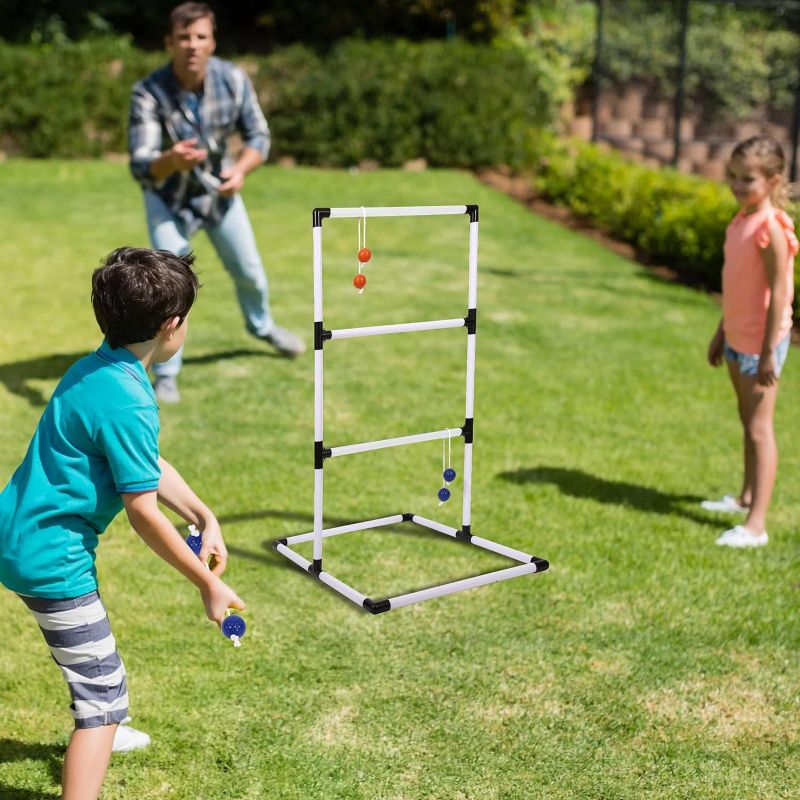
(126, 359)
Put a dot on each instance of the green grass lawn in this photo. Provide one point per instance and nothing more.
(647, 663)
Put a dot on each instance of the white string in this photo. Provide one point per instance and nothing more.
(449, 451)
(362, 243)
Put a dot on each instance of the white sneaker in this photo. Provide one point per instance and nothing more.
(727, 505)
(127, 739)
(741, 537)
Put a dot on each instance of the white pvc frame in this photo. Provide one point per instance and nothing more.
(528, 563)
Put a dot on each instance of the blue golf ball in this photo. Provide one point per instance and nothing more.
(444, 494)
(449, 474)
(195, 543)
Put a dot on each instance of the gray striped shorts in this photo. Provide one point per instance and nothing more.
(78, 633)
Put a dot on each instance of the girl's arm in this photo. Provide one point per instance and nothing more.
(177, 495)
(716, 346)
(776, 264)
(159, 534)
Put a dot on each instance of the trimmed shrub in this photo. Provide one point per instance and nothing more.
(669, 217)
(453, 103)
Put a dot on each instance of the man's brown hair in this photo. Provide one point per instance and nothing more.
(186, 13)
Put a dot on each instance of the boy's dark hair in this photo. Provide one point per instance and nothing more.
(135, 291)
(186, 13)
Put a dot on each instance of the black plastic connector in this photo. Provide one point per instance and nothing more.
(276, 542)
(541, 564)
(376, 606)
(408, 517)
(315, 568)
(466, 430)
(471, 320)
(464, 535)
(320, 214)
(320, 335)
(320, 454)
(472, 210)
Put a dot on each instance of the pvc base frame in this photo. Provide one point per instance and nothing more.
(528, 564)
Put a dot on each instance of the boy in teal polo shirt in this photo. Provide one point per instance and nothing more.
(94, 452)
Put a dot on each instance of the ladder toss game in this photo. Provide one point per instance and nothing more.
(528, 564)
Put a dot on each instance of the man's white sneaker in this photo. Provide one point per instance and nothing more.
(727, 505)
(127, 739)
(166, 390)
(741, 537)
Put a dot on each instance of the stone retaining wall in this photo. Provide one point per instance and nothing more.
(631, 120)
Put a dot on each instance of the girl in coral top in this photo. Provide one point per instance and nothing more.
(754, 333)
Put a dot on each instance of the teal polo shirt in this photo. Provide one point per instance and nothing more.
(97, 438)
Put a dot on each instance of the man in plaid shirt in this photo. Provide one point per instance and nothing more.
(180, 119)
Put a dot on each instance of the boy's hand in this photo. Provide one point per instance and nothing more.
(233, 181)
(214, 547)
(218, 597)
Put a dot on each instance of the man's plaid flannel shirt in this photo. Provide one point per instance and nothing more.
(161, 114)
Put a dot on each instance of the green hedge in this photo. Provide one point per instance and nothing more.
(671, 218)
(454, 103)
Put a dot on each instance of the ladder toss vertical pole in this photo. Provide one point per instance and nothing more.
(472, 311)
(318, 386)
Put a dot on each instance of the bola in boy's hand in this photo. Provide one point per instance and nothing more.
(214, 547)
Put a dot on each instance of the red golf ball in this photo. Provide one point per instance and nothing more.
(360, 281)
(364, 255)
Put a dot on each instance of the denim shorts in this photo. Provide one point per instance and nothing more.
(79, 636)
(748, 362)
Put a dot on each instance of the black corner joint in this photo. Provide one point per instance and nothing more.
(471, 320)
(408, 517)
(319, 214)
(466, 431)
(376, 606)
(276, 542)
(464, 534)
(320, 335)
(320, 454)
(472, 210)
(315, 568)
(541, 564)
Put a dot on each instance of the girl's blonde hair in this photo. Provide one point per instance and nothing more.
(773, 162)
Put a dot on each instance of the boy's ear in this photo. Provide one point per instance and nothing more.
(170, 326)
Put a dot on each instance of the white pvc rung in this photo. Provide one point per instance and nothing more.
(348, 449)
(342, 588)
(501, 549)
(354, 526)
(435, 526)
(398, 211)
(404, 327)
(460, 586)
(292, 556)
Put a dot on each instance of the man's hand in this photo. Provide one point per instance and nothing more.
(185, 155)
(233, 180)
(214, 546)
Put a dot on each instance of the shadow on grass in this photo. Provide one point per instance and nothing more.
(576, 483)
(224, 355)
(15, 375)
(50, 754)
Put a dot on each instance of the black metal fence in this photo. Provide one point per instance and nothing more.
(680, 81)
